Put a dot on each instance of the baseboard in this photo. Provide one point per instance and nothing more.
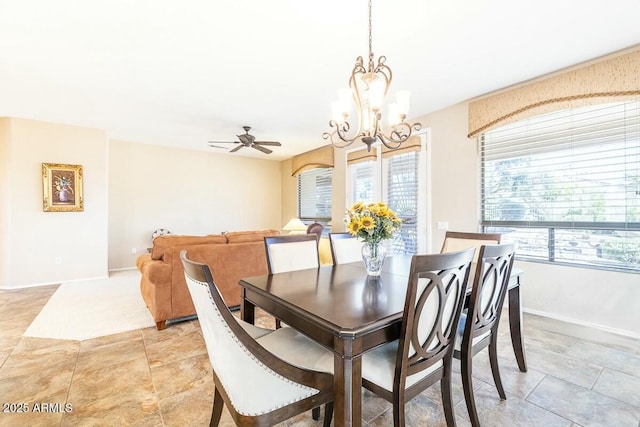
(578, 323)
(122, 269)
(34, 285)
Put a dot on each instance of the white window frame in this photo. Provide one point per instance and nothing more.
(423, 217)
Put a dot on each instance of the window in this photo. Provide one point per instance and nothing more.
(395, 177)
(314, 196)
(402, 196)
(565, 186)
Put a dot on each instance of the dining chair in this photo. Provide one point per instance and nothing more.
(423, 354)
(315, 228)
(345, 248)
(258, 387)
(458, 240)
(478, 325)
(290, 253)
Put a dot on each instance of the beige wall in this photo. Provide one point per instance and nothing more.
(129, 190)
(6, 190)
(186, 192)
(33, 239)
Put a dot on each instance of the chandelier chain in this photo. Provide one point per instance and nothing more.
(370, 38)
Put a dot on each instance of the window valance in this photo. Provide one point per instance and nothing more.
(615, 78)
(410, 145)
(319, 158)
(362, 156)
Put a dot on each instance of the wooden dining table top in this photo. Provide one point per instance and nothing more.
(342, 296)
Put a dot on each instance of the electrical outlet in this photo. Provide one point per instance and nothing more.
(134, 250)
(58, 260)
(443, 225)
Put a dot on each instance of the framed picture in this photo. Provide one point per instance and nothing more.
(62, 188)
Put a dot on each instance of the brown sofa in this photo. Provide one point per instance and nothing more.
(230, 256)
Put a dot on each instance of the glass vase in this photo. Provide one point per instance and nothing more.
(373, 256)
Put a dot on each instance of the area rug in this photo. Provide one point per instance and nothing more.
(94, 308)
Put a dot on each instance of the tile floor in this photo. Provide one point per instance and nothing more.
(576, 377)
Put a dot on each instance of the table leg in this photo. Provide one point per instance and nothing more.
(515, 326)
(247, 309)
(347, 382)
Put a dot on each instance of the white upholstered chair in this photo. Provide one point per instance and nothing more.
(478, 326)
(263, 376)
(345, 248)
(456, 241)
(400, 370)
(292, 252)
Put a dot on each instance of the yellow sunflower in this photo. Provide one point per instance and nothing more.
(367, 222)
(357, 207)
(354, 227)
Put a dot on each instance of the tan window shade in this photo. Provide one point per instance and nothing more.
(615, 78)
(410, 145)
(319, 158)
(362, 156)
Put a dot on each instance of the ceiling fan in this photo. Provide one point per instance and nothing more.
(247, 140)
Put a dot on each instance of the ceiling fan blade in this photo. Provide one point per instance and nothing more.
(264, 150)
(217, 146)
(223, 142)
(237, 148)
(246, 139)
(276, 144)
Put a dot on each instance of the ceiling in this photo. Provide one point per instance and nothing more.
(181, 73)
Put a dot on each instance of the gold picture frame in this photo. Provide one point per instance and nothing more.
(62, 188)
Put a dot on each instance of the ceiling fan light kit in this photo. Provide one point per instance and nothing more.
(368, 88)
(247, 140)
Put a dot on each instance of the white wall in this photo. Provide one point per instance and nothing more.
(186, 192)
(33, 239)
(602, 299)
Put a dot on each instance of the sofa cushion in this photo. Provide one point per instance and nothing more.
(161, 243)
(249, 236)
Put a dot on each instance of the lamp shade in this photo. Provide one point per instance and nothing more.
(295, 226)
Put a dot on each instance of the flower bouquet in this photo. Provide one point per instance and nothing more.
(372, 223)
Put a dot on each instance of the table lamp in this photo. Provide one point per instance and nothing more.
(295, 226)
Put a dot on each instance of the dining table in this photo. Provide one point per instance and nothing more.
(349, 312)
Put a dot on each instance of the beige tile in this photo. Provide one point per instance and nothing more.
(31, 419)
(117, 384)
(191, 408)
(607, 357)
(570, 369)
(182, 345)
(182, 376)
(33, 355)
(128, 336)
(129, 413)
(513, 412)
(50, 386)
(624, 387)
(99, 357)
(583, 406)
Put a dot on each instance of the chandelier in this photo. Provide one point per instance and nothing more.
(368, 88)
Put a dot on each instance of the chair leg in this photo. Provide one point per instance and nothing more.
(315, 413)
(328, 414)
(495, 369)
(216, 413)
(278, 326)
(447, 399)
(398, 411)
(467, 386)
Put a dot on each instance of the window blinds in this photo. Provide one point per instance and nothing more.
(566, 185)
